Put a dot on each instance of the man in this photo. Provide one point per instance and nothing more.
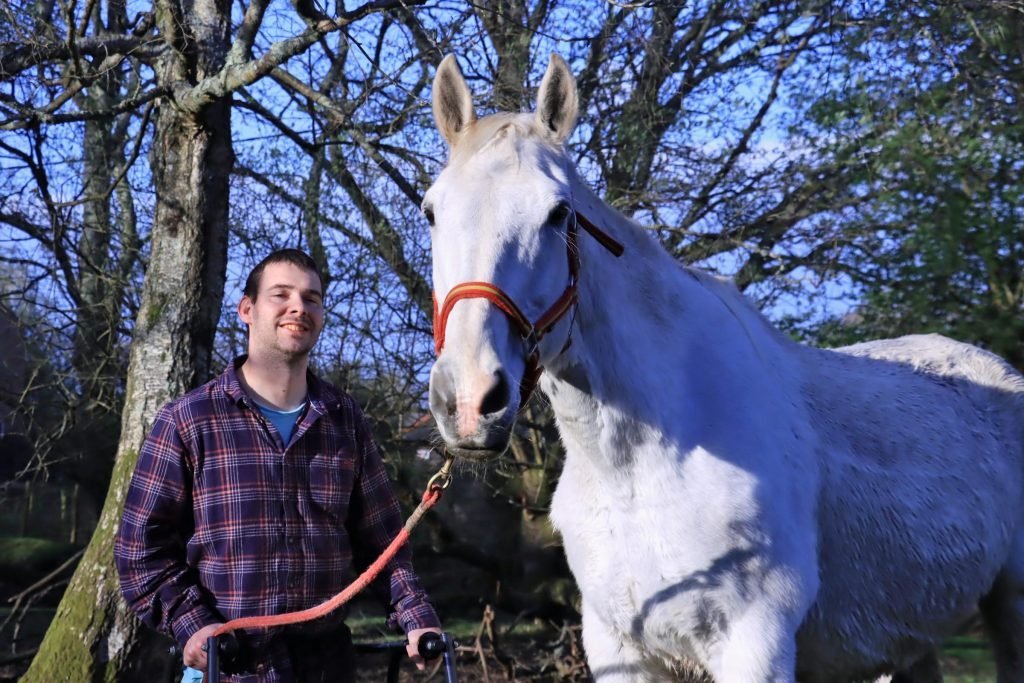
(262, 492)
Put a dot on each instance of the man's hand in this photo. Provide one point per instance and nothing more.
(194, 654)
(414, 644)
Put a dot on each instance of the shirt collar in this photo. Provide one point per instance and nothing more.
(320, 399)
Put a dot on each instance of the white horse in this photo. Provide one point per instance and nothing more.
(771, 511)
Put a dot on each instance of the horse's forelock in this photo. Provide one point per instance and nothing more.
(492, 130)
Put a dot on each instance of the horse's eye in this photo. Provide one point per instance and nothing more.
(559, 214)
(428, 213)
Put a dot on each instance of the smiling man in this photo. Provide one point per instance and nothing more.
(262, 492)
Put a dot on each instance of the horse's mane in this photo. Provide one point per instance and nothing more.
(735, 300)
(738, 304)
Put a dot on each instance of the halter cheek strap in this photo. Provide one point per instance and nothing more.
(531, 333)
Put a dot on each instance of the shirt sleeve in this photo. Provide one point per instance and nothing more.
(150, 548)
(376, 519)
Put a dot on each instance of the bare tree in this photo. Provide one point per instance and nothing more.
(193, 64)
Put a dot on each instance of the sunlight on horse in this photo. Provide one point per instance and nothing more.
(731, 499)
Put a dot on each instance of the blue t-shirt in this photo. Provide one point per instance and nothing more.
(283, 420)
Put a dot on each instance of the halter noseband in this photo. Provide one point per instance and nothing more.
(531, 333)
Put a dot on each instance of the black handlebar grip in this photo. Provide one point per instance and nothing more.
(212, 660)
(431, 645)
(222, 654)
(229, 650)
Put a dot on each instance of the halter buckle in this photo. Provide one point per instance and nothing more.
(532, 340)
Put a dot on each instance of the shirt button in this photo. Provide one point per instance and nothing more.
(293, 540)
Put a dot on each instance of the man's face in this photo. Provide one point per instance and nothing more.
(288, 314)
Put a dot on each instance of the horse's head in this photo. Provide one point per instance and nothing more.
(503, 234)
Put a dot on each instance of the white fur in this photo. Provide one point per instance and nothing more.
(730, 497)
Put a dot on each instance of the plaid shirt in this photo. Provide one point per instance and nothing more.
(223, 520)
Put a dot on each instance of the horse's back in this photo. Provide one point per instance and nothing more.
(937, 357)
(923, 394)
(921, 449)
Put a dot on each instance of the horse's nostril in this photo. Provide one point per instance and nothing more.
(496, 398)
(442, 395)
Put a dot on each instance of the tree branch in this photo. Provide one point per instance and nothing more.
(104, 45)
(125, 167)
(33, 119)
(241, 49)
(700, 203)
(235, 76)
(340, 118)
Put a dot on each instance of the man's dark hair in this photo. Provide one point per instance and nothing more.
(296, 257)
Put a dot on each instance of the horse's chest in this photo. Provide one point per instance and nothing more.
(665, 552)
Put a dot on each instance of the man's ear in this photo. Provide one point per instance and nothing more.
(245, 309)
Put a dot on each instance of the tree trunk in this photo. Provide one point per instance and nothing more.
(97, 315)
(510, 27)
(101, 286)
(93, 636)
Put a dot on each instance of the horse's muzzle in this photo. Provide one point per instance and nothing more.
(476, 424)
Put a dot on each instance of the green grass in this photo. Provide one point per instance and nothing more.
(371, 627)
(967, 659)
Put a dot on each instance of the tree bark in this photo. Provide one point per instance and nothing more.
(510, 25)
(94, 637)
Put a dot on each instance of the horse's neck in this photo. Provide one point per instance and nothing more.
(654, 343)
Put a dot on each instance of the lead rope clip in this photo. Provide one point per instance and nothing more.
(442, 479)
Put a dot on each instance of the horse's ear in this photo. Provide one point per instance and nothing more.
(452, 101)
(557, 104)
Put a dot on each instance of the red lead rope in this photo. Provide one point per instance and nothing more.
(430, 497)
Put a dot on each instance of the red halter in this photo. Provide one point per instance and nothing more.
(531, 333)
